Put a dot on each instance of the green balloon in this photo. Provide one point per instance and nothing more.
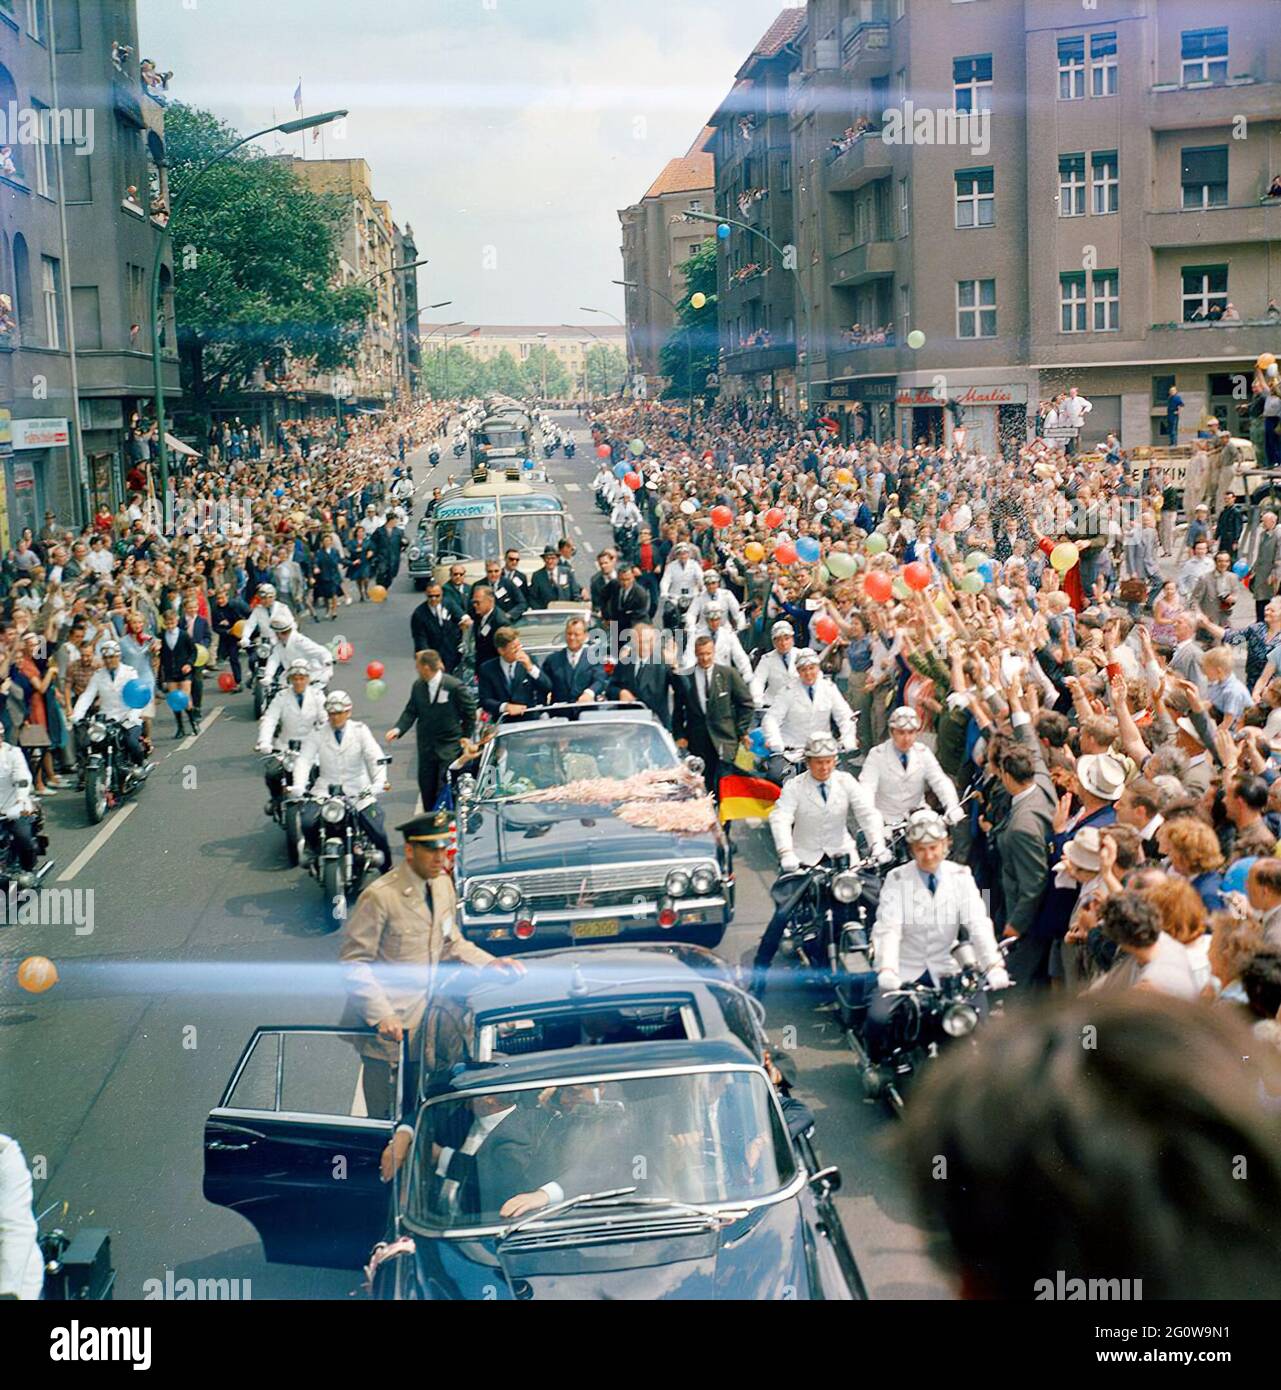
(875, 543)
(375, 690)
(972, 583)
(974, 559)
(843, 566)
(900, 588)
(637, 447)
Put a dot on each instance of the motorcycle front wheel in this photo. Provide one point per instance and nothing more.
(293, 835)
(96, 794)
(334, 886)
(260, 700)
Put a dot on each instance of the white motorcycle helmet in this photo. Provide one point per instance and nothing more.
(337, 700)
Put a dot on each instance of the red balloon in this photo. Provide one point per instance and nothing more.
(722, 517)
(375, 670)
(878, 586)
(825, 628)
(916, 575)
(226, 682)
(773, 518)
(708, 456)
(785, 554)
(633, 480)
(343, 651)
(602, 451)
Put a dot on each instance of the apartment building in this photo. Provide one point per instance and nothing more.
(569, 342)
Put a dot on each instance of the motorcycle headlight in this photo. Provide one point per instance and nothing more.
(508, 898)
(959, 1020)
(846, 887)
(677, 883)
(703, 881)
(481, 899)
(333, 811)
(97, 732)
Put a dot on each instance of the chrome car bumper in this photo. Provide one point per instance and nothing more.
(556, 925)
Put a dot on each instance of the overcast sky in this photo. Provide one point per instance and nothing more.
(521, 125)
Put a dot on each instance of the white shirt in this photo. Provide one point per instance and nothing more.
(284, 722)
(259, 622)
(916, 929)
(15, 782)
(897, 791)
(101, 561)
(729, 652)
(729, 604)
(300, 648)
(354, 764)
(794, 716)
(21, 1264)
(1075, 409)
(682, 577)
(804, 824)
(481, 1128)
(107, 687)
(774, 673)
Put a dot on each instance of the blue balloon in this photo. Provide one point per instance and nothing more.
(840, 515)
(756, 742)
(621, 470)
(808, 549)
(988, 571)
(177, 700)
(529, 463)
(136, 694)
(723, 231)
(1234, 879)
(1241, 568)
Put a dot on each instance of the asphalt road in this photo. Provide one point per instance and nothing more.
(200, 933)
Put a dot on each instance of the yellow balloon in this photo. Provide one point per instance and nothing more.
(698, 300)
(1265, 361)
(238, 629)
(37, 974)
(202, 655)
(377, 593)
(1064, 556)
(843, 475)
(754, 551)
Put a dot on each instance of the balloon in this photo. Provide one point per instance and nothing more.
(825, 628)
(839, 515)
(633, 481)
(137, 694)
(773, 518)
(375, 670)
(1064, 556)
(37, 974)
(689, 507)
(916, 340)
(972, 583)
(723, 231)
(238, 629)
(754, 551)
(1235, 876)
(226, 682)
(808, 549)
(377, 593)
(785, 554)
(987, 571)
(722, 517)
(1241, 568)
(974, 559)
(940, 604)
(343, 651)
(843, 475)
(756, 741)
(602, 451)
(843, 566)
(637, 446)
(177, 700)
(375, 690)
(621, 470)
(697, 300)
(202, 655)
(877, 586)
(875, 543)
(916, 575)
(900, 588)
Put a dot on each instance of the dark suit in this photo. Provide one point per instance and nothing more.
(387, 553)
(625, 606)
(568, 683)
(511, 594)
(457, 597)
(441, 725)
(555, 586)
(516, 1156)
(713, 734)
(1021, 844)
(182, 654)
(524, 689)
(483, 633)
(431, 633)
(652, 683)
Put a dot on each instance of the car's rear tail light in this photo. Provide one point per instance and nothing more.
(524, 929)
(667, 916)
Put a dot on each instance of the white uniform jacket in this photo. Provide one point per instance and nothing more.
(15, 783)
(353, 764)
(805, 825)
(772, 676)
(258, 623)
(107, 687)
(729, 652)
(916, 929)
(21, 1263)
(899, 791)
(681, 577)
(300, 648)
(733, 612)
(793, 717)
(284, 720)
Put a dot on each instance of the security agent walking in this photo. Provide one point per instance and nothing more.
(293, 715)
(810, 823)
(898, 771)
(344, 754)
(714, 711)
(923, 905)
(444, 710)
(406, 918)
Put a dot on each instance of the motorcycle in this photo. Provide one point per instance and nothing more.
(284, 810)
(570, 448)
(346, 852)
(110, 773)
(77, 1268)
(549, 449)
(433, 455)
(11, 870)
(459, 449)
(263, 692)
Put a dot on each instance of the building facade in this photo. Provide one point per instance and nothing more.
(567, 342)
(411, 347)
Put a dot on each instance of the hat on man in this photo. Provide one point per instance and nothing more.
(820, 746)
(1101, 775)
(1082, 851)
(806, 657)
(782, 629)
(433, 828)
(552, 551)
(905, 717)
(282, 624)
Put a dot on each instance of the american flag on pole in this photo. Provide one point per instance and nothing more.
(298, 97)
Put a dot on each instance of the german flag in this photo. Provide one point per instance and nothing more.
(741, 797)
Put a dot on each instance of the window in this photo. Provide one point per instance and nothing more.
(51, 295)
(975, 198)
(66, 21)
(1071, 69)
(1161, 389)
(904, 312)
(1072, 302)
(1205, 55)
(138, 311)
(1107, 300)
(1204, 287)
(1103, 65)
(45, 170)
(785, 175)
(35, 19)
(900, 85)
(972, 83)
(860, 222)
(1106, 182)
(904, 207)
(1071, 185)
(976, 308)
(696, 205)
(87, 316)
(1205, 177)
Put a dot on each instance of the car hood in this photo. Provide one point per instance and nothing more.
(760, 1256)
(514, 835)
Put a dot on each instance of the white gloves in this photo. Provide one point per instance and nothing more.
(997, 978)
(263, 748)
(789, 863)
(955, 815)
(887, 980)
(884, 855)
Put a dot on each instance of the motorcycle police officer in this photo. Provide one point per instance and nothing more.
(347, 755)
(805, 707)
(774, 671)
(293, 716)
(809, 823)
(267, 610)
(898, 771)
(923, 904)
(106, 686)
(292, 646)
(17, 805)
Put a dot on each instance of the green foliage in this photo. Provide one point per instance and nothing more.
(606, 370)
(695, 340)
(557, 377)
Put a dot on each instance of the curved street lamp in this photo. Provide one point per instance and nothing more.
(689, 349)
(627, 339)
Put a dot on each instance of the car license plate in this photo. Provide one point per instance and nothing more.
(601, 926)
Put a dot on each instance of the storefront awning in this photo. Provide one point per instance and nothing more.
(180, 448)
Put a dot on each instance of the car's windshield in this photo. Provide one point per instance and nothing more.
(531, 532)
(702, 1137)
(533, 757)
(467, 538)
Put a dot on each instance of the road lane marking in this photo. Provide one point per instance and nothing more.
(94, 845)
(204, 724)
(572, 487)
(578, 530)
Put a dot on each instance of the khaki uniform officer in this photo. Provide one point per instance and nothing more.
(408, 918)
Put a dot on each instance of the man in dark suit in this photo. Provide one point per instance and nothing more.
(511, 590)
(645, 678)
(445, 712)
(486, 618)
(1264, 563)
(457, 591)
(493, 1159)
(1021, 841)
(625, 602)
(436, 626)
(576, 676)
(511, 682)
(714, 711)
(387, 543)
(554, 583)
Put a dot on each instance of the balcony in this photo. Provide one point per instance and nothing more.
(867, 359)
(1173, 107)
(1250, 222)
(772, 357)
(1190, 341)
(862, 161)
(871, 261)
(865, 40)
(750, 282)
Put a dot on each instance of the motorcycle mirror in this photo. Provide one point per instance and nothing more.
(829, 1178)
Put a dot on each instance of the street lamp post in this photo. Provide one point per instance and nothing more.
(445, 341)
(413, 318)
(176, 201)
(789, 263)
(543, 342)
(369, 280)
(689, 349)
(586, 309)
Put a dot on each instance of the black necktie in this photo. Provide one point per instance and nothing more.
(299, 697)
(811, 695)
(822, 786)
(931, 882)
(338, 733)
(902, 757)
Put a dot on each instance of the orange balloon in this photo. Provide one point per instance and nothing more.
(377, 593)
(37, 974)
(843, 475)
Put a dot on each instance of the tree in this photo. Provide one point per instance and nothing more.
(256, 260)
(449, 373)
(606, 370)
(502, 376)
(695, 335)
(557, 379)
